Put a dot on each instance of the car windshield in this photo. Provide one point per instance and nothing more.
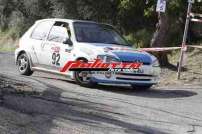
(97, 33)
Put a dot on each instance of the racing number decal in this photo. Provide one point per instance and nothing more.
(56, 59)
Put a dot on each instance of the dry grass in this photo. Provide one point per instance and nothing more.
(192, 71)
(7, 43)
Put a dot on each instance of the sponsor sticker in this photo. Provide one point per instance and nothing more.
(99, 65)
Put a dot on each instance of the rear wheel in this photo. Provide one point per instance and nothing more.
(83, 78)
(23, 65)
(145, 87)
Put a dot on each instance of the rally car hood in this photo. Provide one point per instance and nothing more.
(134, 57)
(124, 53)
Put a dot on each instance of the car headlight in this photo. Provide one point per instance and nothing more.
(155, 63)
(108, 58)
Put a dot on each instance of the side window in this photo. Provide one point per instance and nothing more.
(59, 33)
(41, 30)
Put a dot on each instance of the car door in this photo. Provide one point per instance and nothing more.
(37, 40)
(56, 51)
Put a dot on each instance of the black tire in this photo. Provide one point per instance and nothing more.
(23, 65)
(137, 87)
(80, 79)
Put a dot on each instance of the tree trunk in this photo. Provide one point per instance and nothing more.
(160, 37)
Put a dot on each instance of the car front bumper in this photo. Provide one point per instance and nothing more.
(150, 76)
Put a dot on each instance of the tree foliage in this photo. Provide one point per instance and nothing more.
(135, 18)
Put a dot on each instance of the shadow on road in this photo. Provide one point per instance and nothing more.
(163, 93)
(150, 93)
(54, 78)
(47, 112)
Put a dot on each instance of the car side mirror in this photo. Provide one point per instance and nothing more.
(68, 42)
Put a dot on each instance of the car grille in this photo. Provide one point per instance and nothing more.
(134, 77)
(133, 74)
(119, 78)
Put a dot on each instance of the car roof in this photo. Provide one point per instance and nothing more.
(71, 21)
(64, 20)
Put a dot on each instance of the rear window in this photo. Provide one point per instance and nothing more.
(41, 30)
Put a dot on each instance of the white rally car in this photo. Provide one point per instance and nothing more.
(50, 43)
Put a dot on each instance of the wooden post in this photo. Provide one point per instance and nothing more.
(184, 39)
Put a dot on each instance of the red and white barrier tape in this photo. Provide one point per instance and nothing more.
(194, 46)
(195, 14)
(159, 49)
(196, 20)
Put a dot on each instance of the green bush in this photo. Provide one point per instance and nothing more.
(140, 38)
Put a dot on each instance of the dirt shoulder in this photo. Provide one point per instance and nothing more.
(191, 73)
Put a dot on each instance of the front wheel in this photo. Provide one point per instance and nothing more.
(145, 87)
(83, 78)
(23, 65)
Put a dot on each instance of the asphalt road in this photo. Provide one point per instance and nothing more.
(48, 104)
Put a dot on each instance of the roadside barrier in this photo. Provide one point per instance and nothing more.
(195, 46)
(190, 71)
(159, 49)
(163, 49)
(193, 19)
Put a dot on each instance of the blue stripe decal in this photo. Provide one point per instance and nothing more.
(134, 56)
